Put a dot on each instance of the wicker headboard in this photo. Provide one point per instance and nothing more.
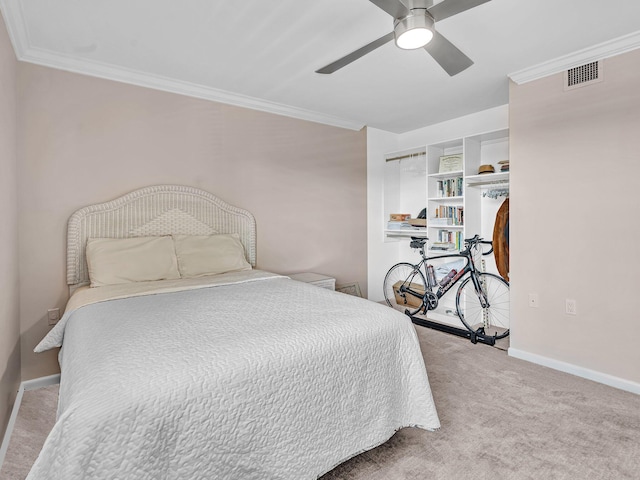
(155, 211)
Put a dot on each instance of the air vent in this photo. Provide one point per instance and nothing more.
(583, 75)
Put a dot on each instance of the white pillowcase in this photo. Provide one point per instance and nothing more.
(124, 260)
(200, 255)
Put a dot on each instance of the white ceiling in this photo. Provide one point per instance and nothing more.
(263, 53)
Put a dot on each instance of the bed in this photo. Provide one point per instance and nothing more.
(243, 374)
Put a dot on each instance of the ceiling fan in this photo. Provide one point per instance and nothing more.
(414, 27)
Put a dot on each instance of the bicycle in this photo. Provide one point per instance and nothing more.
(482, 299)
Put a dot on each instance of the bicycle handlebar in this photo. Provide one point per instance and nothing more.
(490, 251)
(475, 240)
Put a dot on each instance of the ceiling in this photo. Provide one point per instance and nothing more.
(263, 54)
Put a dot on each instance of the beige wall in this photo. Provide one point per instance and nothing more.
(575, 219)
(84, 140)
(9, 318)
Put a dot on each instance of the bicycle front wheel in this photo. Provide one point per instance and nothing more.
(410, 277)
(487, 308)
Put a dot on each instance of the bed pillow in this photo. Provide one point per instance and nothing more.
(200, 255)
(124, 260)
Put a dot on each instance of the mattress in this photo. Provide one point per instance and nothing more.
(247, 375)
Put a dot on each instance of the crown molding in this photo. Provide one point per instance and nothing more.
(158, 82)
(610, 48)
(13, 17)
(12, 14)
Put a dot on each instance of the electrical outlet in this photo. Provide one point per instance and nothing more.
(570, 306)
(534, 301)
(53, 314)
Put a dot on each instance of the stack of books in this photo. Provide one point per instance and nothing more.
(443, 246)
(403, 226)
(397, 225)
(403, 221)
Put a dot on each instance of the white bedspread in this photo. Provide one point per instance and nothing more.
(269, 379)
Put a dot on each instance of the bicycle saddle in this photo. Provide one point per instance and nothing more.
(417, 242)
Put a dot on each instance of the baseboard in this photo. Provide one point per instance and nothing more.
(594, 375)
(24, 386)
(12, 421)
(41, 382)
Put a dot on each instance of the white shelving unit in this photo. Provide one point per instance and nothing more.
(388, 248)
(435, 202)
(411, 183)
(422, 233)
(488, 180)
(405, 189)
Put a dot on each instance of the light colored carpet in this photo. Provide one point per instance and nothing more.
(36, 417)
(502, 418)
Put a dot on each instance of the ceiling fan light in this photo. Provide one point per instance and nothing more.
(413, 31)
(415, 38)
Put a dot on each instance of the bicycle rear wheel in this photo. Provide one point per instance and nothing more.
(409, 276)
(494, 315)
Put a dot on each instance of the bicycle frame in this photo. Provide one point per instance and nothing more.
(469, 269)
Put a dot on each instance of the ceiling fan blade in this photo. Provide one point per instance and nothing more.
(395, 8)
(447, 8)
(447, 55)
(353, 56)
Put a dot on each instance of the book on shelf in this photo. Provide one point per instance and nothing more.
(445, 246)
(454, 215)
(450, 187)
(448, 237)
(399, 217)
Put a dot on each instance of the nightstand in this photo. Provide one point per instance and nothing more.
(315, 279)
